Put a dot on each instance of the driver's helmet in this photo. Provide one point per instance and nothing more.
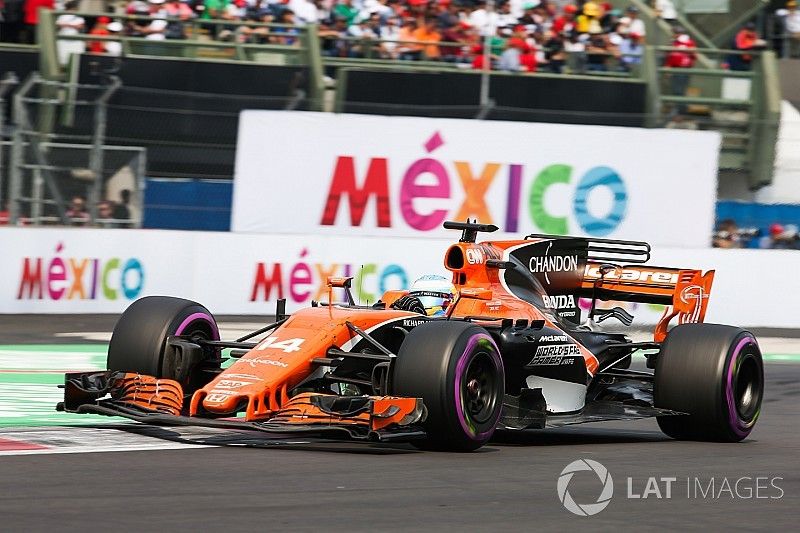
(435, 292)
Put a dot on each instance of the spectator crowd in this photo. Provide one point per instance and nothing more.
(785, 30)
(108, 213)
(778, 236)
(523, 35)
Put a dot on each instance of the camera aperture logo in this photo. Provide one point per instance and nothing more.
(585, 509)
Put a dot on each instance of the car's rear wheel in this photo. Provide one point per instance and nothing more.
(455, 367)
(715, 375)
(139, 341)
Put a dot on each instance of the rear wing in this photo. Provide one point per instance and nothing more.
(555, 270)
(636, 283)
(610, 269)
(685, 292)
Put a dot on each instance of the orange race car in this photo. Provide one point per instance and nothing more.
(509, 351)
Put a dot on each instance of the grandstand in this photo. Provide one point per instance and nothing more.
(155, 89)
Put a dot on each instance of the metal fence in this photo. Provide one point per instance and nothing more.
(57, 168)
(735, 94)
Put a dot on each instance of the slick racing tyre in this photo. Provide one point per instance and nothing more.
(139, 342)
(455, 367)
(714, 374)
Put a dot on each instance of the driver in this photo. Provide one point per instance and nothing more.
(429, 295)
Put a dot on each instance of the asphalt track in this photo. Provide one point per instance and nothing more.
(212, 481)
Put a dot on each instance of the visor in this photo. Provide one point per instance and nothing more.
(432, 299)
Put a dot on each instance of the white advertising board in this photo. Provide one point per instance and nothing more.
(78, 270)
(309, 173)
(102, 271)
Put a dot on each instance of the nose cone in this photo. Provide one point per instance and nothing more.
(220, 402)
(232, 392)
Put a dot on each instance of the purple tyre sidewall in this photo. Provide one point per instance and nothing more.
(199, 317)
(461, 366)
(741, 428)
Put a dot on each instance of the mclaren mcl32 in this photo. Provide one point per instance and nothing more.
(510, 352)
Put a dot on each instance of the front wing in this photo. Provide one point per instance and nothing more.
(155, 401)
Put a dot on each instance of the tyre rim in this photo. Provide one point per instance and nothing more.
(479, 388)
(193, 321)
(747, 388)
(199, 326)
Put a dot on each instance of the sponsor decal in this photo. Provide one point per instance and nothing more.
(633, 274)
(553, 263)
(553, 354)
(474, 256)
(559, 302)
(230, 384)
(248, 377)
(216, 396)
(467, 183)
(692, 292)
(253, 361)
(71, 278)
(553, 338)
(433, 294)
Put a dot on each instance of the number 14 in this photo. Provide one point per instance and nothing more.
(288, 346)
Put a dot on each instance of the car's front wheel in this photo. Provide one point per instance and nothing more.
(139, 341)
(455, 367)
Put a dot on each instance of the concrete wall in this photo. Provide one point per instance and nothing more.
(785, 188)
(789, 70)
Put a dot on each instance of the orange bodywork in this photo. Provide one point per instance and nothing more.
(262, 378)
(382, 412)
(260, 381)
(684, 291)
(147, 392)
(482, 294)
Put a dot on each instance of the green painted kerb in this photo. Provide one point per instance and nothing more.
(30, 375)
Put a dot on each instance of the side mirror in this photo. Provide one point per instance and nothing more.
(340, 282)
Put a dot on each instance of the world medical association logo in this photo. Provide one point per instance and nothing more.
(585, 509)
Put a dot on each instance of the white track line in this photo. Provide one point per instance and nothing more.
(103, 449)
(75, 439)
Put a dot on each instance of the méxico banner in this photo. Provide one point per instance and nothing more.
(79, 270)
(323, 173)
